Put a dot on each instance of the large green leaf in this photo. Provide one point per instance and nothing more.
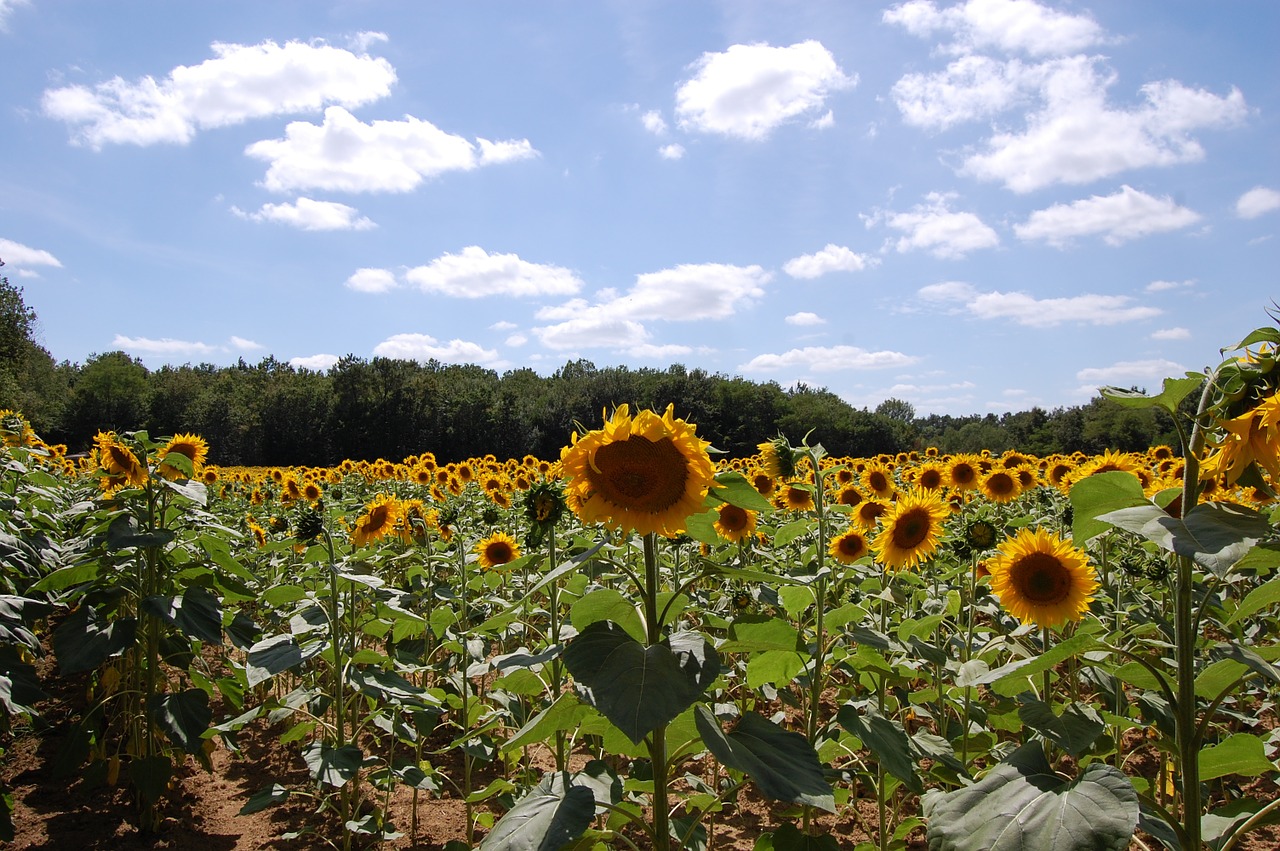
(197, 613)
(1172, 392)
(271, 656)
(1215, 535)
(607, 604)
(390, 687)
(84, 641)
(783, 764)
(640, 688)
(332, 766)
(1099, 494)
(566, 713)
(184, 717)
(887, 740)
(750, 632)
(552, 814)
(733, 487)
(19, 686)
(1242, 754)
(1022, 804)
(1074, 730)
(1266, 594)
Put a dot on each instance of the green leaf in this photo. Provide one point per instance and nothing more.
(551, 815)
(761, 632)
(192, 490)
(607, 604)
(1074, 730)
(184, 717)
(66, 577)
(1215, 535)
(263, 798)
(390, 687)
(1241, 754)
(735, 489)
(566, 713)
(1008, 679)
(19, 686)
(82, 642)
(1022, 803)
(332, 766)
(788, 837)
(774, 667)
(783, 764)
(1173, 391)
(1266, 594)
(150, 776)
(640, 688)
(791, 531)
(1099, 494)
(271, 656)
(702, 528)
(887, 740)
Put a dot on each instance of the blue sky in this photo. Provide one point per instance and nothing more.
(974, 206)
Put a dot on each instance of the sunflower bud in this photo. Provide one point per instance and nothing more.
(308, 524)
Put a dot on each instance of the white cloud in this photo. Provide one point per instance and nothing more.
(362, 41)
(654, 122)
(650, 351)
(593, 331)
(18, 255)
(970, 88)
(1089, 309)
(750, 89)
(307, 214)
(163, 346)
(370, 280)
(673, 151)
(474, 273)
(503, 325)
(1257, 201)
(828, 119)
(827, 359)
(515, 341)
(344, 154)
(832, 258)
(1171, 334)
(240, 83)
(241, 344)
(948, 291)
(1141, 373)
(1011, 26)
(933, 227)
(6, 9)
(422, 347)
(1165, 286)
(315, 363)
(804, 317)
(1077, 138)
(1128, 214)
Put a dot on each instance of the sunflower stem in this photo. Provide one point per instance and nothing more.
(658, 738)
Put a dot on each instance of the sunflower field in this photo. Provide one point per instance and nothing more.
(645, 644)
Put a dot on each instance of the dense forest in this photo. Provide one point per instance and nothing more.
(271, 413)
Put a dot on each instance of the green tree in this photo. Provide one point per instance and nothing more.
(110, 393)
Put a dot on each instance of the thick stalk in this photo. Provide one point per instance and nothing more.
(658, 738)
(557, 673)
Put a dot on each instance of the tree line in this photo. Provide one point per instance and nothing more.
(272, 413)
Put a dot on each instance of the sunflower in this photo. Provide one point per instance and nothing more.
(118, 460)
(762, 482)
(777, 458)
(646, 473)
(1000, 485)
(931, 476)
(963, 472)
(867, 513)
(496, 550)
(191, 446)
(850, 546)
(734, 523)
(878, 479)
(1251, 437)
(911, 530)
(1042, 578)
(15, 429)
(311, 491)
(796, 496)
(849, 495)
(380, 518)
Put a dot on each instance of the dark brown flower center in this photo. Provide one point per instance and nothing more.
(1041, 578)
(639, 474)
(910, 529)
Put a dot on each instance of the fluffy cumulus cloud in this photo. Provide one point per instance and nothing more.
(934, 227)
(1166, 286)
(827, 359)
(690, 292)
(750, 89)
(243, 345)
(1171, 334)
(475, 273)
(970, 88)
(1011, 26)
(803, 318)
(1077, 137)
(832, 258)
(1140, 373)
(1257, 201)
(19, 256)
(674, 151)
(371, 280)
(308, 214)
(240, 83)
(347, 155)
(315, 363)
(1024, 309)
(1126, 215)
(164, 347)
(423, 347)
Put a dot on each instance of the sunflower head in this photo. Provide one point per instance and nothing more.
(308, 523)
(1043, 579)
(118, 460)
(912, 529)
(646, 473)
(778, 458)
(496, 550)
(1001, 485)
(380, 518)
(735, 524)
(849, 546)
(14, 428)
(189, 446)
